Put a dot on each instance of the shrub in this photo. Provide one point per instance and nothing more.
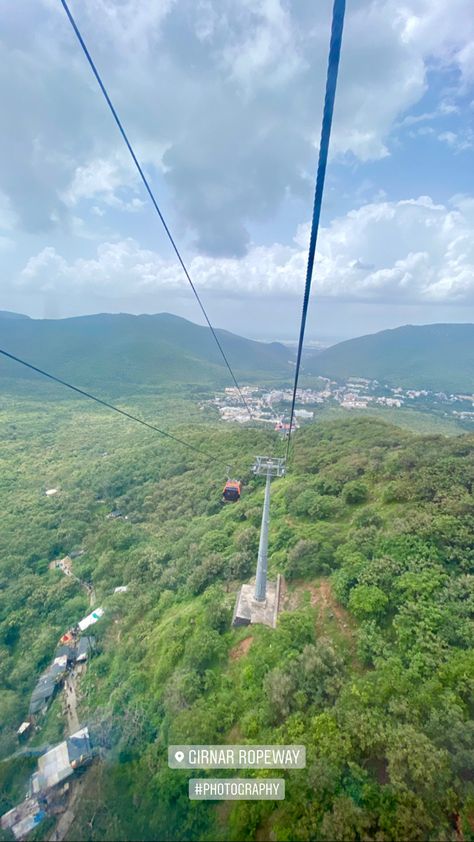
(395, 492)
(367, 601)
(214, 567)
(324, 508)
(355, 492)
(308, 558)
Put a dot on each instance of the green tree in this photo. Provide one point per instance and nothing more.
(367, 601)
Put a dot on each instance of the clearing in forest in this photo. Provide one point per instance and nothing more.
(331, 618)
(241, 649)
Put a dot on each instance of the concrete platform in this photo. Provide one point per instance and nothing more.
(248, 611)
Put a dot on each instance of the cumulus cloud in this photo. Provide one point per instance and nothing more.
(412, 251)
(444, 30)
(223, 99)
(458, 141)
(103, 179)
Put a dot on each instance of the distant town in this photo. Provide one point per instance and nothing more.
(272, 406)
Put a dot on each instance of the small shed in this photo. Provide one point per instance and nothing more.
(79, 748)
(58, 667)
(66, 650)
(84, 648)
(46, 685)
(53, 767)
(23, 818)
(42, 694)
(23, 730)
(60, 762)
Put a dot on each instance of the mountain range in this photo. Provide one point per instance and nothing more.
(439, 357)
(120, 353)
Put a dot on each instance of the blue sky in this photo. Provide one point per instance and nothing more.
(223, 100)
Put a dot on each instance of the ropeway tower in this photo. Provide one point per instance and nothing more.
(259, 603)
(269, 467)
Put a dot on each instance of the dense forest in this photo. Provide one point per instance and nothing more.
(154, 351)
(371, 665)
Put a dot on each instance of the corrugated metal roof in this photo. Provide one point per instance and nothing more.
(64, 649)
(84, 647)
(23, 818)
(36, 705)
(43, 691)
(59, 762)
(79, 747)
(54, 766)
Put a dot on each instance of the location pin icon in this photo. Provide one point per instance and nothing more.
(179, 756)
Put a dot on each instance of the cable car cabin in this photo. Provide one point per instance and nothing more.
(284, 428)
(232, 490)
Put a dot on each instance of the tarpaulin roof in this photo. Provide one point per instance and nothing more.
(91, 619)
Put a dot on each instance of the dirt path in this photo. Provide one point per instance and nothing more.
(241, 649)
(68, 817)
(70, 698)
(321, 597)
(89, 589)
(91, 593)
(326, 596)
(73, 725)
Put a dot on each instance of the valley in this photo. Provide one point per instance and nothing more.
(371, 529)
(448, 413)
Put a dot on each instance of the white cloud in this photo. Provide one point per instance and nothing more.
(104, 180)
(444, 30)
(97, 178)
(266, 53)
(412, 251)
(458, 141)
(130, 23)
(223, 98)
(444, 109)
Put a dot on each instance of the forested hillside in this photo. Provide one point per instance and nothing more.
(132, 353)
(439, 357)
(371, 665)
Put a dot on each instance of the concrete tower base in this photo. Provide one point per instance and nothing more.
(249, 611)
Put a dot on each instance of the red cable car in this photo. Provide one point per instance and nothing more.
(232, 491)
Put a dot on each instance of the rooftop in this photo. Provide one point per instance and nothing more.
(59, 762)
(23, 818)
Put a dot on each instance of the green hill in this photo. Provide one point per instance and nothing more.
(123, 353)
(370, 666)
(9, 314)
(438, 357)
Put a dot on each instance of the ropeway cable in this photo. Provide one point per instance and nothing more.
(331, 81)
(108, 405)
(152, 196)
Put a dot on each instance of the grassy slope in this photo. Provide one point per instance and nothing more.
(168, 671)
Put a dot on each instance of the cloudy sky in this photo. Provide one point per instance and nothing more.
(223, 101)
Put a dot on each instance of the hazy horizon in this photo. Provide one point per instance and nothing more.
(312, 341)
